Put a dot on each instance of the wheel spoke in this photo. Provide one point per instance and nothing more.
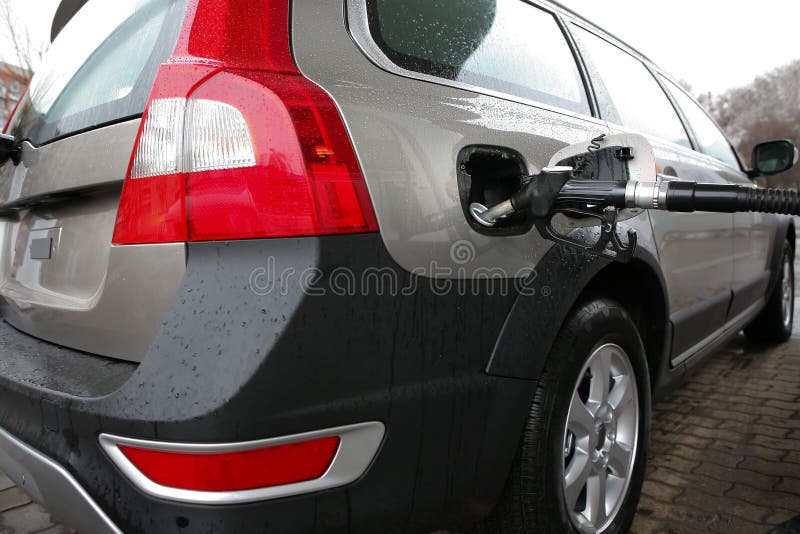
(596, 498)
(619, 458)
(786, 292)
(580, 417)
(575, 477)
(601, 373)
(621, 394)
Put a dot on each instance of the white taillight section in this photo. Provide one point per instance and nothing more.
(217, 137)
(182, 135)
(161, 144)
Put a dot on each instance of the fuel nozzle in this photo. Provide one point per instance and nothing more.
(538, 196)
(614, 178)
(556, 189)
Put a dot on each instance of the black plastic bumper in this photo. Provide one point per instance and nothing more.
(256, 346)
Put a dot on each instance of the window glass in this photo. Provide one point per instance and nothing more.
(709, 137)
(627, 92)
(503, 45)
(100, 68)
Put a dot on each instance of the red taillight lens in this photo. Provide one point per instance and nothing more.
(14, 111)
(240, 153)
(237, 470)
(306, 179)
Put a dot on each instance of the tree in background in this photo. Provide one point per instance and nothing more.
(768, 108)
(20, 54)
(25, 52)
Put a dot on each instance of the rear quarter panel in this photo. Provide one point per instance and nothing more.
(407, 134)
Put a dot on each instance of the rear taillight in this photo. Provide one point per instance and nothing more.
(14, 111)
(234, 153)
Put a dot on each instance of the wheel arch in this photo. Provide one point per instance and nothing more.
(784, 231)
(647, 305)
(573, 278)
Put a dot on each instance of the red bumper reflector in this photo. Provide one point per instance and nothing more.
(236, 470)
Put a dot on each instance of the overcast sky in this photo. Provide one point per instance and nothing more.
(37, 15)
(712, 44)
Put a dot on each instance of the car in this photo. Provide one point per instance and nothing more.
(242, 291)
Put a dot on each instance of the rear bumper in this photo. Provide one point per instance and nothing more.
(51, 485)
(252, 351)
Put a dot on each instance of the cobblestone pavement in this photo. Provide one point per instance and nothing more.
(724, 454)
(725, 446)
(18, 515)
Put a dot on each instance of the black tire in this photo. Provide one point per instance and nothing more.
(773, 325)
(533, 500)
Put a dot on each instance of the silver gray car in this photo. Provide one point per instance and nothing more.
(241, 290)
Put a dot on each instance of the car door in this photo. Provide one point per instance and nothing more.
(696, 250)
(753, 232)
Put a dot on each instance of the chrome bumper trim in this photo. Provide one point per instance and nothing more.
(358, 446)
(49, 484)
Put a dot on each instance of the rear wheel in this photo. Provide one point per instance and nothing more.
(774, 323)
(600, 439)
(580, 464)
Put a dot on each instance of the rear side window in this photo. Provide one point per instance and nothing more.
(710, 138)
(100, 68)
(502, 45)
(627, 92)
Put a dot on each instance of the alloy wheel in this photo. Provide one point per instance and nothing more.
(600, 439)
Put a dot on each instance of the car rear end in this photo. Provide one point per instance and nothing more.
(202, 326)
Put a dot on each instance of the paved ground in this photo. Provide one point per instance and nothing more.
(18, 515)
(725, 448)
(725, 452)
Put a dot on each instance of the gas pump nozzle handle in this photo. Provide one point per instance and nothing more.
(537, 195)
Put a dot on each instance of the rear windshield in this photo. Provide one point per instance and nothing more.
(100, 68)
(508, 46)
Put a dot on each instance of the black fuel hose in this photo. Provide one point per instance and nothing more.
(679, 196)
(691, 196)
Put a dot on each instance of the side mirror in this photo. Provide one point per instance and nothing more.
(772, 157)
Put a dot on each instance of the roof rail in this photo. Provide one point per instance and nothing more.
(577, 15)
